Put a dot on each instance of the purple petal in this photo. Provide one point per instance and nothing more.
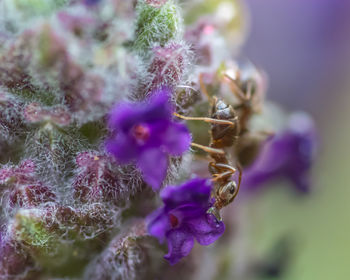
(301, 181)
(158, 224)
(91, 2)
(177, 139)
(122, 147)
(157, 129)
(153, 163)
(126, 114)
(289, 154)
(188, 211)
(180, 244)
(206, 229)
(196, 191)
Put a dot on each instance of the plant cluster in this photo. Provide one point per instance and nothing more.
(92, 97)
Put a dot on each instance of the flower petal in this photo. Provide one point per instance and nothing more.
(180, 244)
(159, 105)
(206, 229)
(153, 163)
(301, 180)
(194, 192)
(288, 154)
(158, 224)
(177, 139)
(122, 147)
(125, 115)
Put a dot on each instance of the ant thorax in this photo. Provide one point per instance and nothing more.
(223, 135)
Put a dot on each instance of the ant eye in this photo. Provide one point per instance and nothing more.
(233, 187)
(228, 191)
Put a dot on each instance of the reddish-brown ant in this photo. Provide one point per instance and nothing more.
(224, 132)
(228, 124)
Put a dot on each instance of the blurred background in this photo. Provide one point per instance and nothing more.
(304, 46)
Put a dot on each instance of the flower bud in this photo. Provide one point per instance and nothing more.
(21, 188)
(158, 22)
(128, 257)
(167, 65)
(97, 179)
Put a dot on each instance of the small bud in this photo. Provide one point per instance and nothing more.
(203, 38)
(128, 257)
(11, 121)
(20, 187)
(15, 262)
(59, 236)
(80, 24)
(98, 179)
(53, 149)
(158, 23)
(15, 60)
(56, 69)
(58, 115)
(23, 174)
(167, 66)
(156, 3)
(29, 229)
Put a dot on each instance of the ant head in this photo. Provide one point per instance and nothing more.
(222, 110)
(228, 191)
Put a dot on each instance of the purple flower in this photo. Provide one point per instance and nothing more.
(184, 218)
(91, 2)
(289, 154)
(145, 134)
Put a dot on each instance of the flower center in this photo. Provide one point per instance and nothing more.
(174, 221)
(141, 133)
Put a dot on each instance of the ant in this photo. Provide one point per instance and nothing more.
(228, 124)
(224, 133)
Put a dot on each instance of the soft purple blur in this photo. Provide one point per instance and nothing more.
(303, 46)
(287, 155)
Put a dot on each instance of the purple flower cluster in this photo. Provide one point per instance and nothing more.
(144, 133)
(184, 218)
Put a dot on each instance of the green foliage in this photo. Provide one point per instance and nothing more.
(156, 25)
(32, 8)
(31, 230)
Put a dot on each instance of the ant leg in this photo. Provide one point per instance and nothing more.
(249, 90)
(207, 149)
(217, 166)
(235, 88)
(239, 180)
(224, 175)
(208, 120)
(204, 89)
(224, 166)
(187, 87)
